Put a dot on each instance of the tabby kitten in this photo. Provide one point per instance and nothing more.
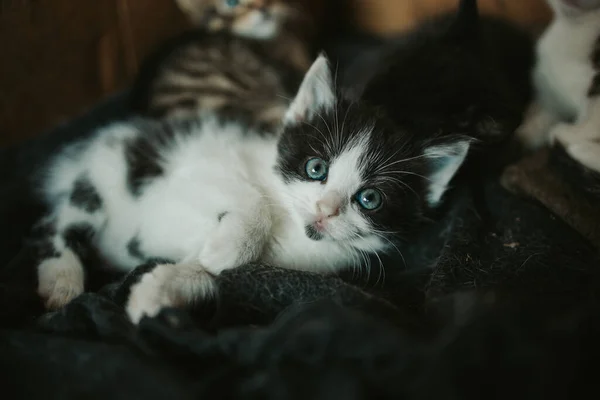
(339, 184)
(567, 79)
(248, 59)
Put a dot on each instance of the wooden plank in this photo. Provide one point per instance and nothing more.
(389, 17)
(60, 56)
(50, 62)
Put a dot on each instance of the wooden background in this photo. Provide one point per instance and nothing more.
(59, 57)
(393, 16)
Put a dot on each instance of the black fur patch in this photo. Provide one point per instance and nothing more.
(85, 196)
(222, 215)
(45, 249)
(312, 233)
(595, 86)
(42, 236)
(143, 164)
(596, 54)
(133, 248)
(144, 152)
(78, 237)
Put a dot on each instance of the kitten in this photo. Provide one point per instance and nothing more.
(339, 184)
(248, 58)
(567, 79)
(465, 74)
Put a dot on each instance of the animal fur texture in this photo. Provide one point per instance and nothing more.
(244, 58)
(210, 195)
(567, 80)
(272, 336)
(347, 178)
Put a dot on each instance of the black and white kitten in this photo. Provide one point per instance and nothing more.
(567, 80)
(340, 183)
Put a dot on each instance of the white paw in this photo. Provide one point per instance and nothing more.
(563, 134)
(60, 280)
(533, 132)
(168, 285)
(586, 153)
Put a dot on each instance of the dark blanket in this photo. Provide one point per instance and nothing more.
(496, 299)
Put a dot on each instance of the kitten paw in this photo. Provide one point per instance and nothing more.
(570, 134)
(60, 280)
(168, 285)
(586, 153)
(533, 133)
(563, 134)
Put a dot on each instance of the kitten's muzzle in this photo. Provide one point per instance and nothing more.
(329, 206)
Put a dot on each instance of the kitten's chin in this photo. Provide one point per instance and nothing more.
(316, 233)
(313, 233)
(257, 25)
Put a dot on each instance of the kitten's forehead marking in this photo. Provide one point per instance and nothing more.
(346, 168)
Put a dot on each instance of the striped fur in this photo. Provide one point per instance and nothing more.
(229, 67)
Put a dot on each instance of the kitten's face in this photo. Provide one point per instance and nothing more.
(349, 175)
(260, 19)
(574, 7)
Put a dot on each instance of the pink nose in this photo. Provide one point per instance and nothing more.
(328, 210)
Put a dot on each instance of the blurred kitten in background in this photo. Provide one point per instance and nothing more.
(261, 19)
(567, 80)
(246, 58)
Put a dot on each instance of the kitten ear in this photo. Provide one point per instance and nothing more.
(316, 92)
(444, 161)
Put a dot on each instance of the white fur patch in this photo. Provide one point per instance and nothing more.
(588, 154)
(256, 25)
(60, 279)
(239, 238)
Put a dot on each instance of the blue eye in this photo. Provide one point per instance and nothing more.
(369, 199)
(232, 3)
(316, 169)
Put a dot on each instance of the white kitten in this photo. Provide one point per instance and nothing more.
(567, 106)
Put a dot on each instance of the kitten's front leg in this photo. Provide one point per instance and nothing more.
(60, 271)
(587, 154)
(582, 139)
(586, 128)
(239, 238)
(168, 285)
(533, 132)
